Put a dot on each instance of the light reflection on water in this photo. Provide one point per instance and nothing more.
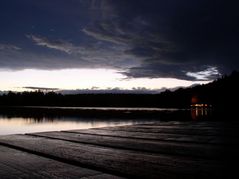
(21, 125)
(200, 113)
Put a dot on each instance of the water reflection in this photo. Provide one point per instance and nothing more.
(19, 125)
(16, 120)
(201, 113)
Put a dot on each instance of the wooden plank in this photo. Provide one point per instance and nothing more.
(175, 130)
(186, 126)
(215, 124)
(115, 161)
(151, 146)
(18, 164)
(197, 139)
(102, 176)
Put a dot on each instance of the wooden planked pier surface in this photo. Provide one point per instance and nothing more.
(190, 149)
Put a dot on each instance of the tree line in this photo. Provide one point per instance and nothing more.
(221, 93)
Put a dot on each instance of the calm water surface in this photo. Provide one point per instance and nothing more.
(22, 125)
(12, 122)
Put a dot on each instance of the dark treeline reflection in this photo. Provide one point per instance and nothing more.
(51, 113)
(38, 117)
(41, 114)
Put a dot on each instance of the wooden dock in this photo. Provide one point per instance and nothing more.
(153, 150)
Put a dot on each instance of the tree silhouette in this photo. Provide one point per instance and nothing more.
(221, 94)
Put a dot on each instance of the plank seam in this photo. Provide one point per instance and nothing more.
(59, 159)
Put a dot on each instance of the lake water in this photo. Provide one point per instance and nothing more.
(31, 119)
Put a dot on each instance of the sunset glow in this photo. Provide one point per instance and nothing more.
(93, 79)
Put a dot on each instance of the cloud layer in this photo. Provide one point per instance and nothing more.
(57, 44)
(8, 47)
(192, 40)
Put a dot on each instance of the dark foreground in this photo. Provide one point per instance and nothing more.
(154, 150)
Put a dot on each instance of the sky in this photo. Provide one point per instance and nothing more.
(123, 44)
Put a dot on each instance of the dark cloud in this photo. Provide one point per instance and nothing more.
(41, 88)
(181, 39)
(62, 54)
(112, 91)
(174, 37)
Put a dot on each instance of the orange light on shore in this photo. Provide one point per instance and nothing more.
(194, 100)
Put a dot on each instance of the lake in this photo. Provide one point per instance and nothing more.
(20, 120)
